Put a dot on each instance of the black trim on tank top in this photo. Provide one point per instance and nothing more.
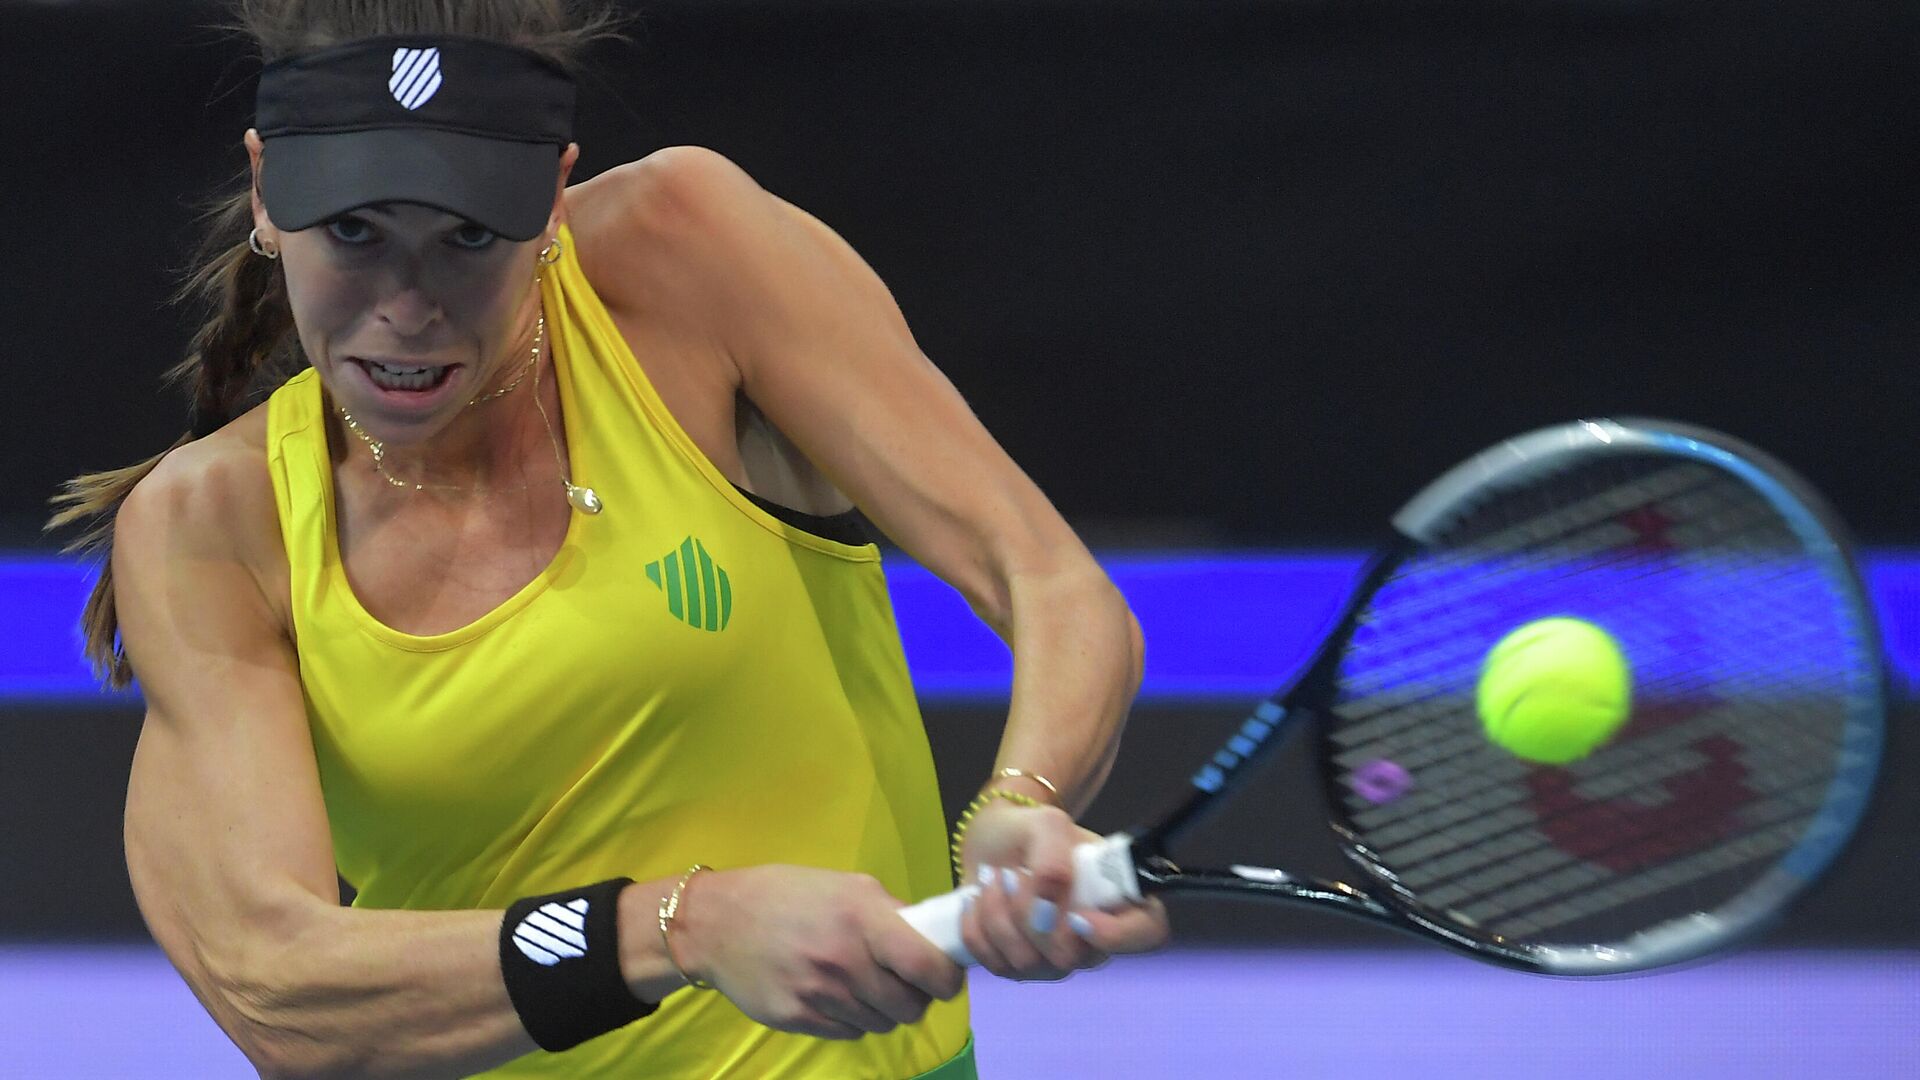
(850, 527)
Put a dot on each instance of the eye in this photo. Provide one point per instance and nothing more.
(351, 230)
(472, 237)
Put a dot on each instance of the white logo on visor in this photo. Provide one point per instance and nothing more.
(416, 75)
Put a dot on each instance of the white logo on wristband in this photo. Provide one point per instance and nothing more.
(553, 932)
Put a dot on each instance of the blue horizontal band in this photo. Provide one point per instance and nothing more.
(1218, 626)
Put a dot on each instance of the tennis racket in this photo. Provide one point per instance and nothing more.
(1759, 709)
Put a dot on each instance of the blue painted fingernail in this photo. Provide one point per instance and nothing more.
(986, 876)
(1080, 925)
(1043, 917)
(1009, 880)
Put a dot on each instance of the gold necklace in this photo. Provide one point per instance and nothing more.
(583, 499)
(517, 379)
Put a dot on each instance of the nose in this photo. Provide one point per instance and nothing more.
(408, 311)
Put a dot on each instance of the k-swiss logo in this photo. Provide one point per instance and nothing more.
(698, 592)
(553, 932)
(416, 75)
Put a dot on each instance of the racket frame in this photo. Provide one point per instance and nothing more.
(1383, 899)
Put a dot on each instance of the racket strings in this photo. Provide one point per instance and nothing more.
(1459, 769)
(1511, 850)
(1433, 833)
(1580, 543)
(1581, 893)
(1477, 849)
(1405, 653)
(1481, 866)
(1572, 881)
(1663, 556)
(1484, 853)
(1420, 727)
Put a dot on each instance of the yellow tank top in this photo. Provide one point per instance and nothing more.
(690, 679)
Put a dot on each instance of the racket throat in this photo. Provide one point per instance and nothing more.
(1157, 872)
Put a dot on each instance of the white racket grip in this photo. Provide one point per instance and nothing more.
(1103, 874)
(938, 920)
(1103, 877)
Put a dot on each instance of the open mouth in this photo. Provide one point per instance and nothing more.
(405, 378)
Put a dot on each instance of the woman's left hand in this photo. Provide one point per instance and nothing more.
(1021, 925)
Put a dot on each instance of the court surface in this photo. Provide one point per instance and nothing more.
(111, 1012)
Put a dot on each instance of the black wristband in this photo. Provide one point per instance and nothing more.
(560, 955)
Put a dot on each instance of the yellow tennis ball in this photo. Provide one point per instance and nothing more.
(1554, 690)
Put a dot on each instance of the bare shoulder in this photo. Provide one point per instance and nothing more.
(212, 498)
(670, 226)
(676, 190)
(666, 242)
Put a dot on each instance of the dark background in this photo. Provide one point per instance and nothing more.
(1225, 273)
(1235, 271)
(65, 774)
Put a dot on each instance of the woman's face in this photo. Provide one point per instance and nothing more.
(408, 312)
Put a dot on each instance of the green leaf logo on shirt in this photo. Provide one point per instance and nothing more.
(698, 592)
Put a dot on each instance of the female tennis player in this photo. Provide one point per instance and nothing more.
(536, 587)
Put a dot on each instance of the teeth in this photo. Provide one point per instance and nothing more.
(402, 378)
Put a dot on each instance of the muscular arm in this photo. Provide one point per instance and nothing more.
(227, 841)
(819, 345)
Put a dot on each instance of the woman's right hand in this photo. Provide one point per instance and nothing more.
(812, 951)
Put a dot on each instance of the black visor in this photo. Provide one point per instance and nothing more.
(471, 127)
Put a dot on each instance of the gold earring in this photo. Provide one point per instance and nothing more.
(551, 253)
(253, 242)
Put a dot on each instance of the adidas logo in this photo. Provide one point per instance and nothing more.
(698, 592)
(553, 932)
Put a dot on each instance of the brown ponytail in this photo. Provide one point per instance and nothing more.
(246, 338)
(246, 344)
